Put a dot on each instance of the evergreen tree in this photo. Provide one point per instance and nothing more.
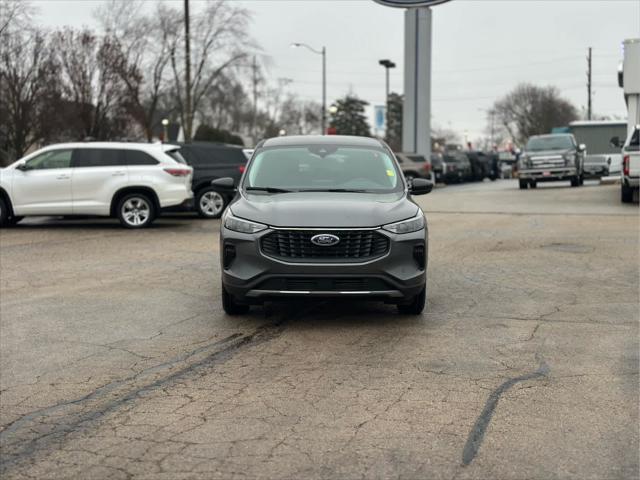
(393, 135)
(349, 117)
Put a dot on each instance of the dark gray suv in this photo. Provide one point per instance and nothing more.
(324, 216)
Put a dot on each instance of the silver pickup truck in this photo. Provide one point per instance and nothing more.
(630, 178)
(548, 158)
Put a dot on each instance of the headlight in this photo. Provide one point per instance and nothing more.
(241, 225)
(407, 226)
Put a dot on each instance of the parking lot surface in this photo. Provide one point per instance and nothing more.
(117, 361)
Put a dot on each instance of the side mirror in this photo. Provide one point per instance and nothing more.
(224, 182)
(609, 161)
(582, 147)
(420, 186)
(615, 142)
(22, 167)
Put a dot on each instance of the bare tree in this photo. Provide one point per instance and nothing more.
(299, 117)
(91, 81)
(530, 110)
(143, 56)
(28, 89)
(15, 16)
(220, 41)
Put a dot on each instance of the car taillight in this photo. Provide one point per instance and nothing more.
(625, 164)
(242, 168)
(178, 172)
(427, 167)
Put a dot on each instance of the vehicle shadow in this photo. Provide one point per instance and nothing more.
(94, 223)
(330, 313)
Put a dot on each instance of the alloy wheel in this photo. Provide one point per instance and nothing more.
(136, 211)
(211, 203)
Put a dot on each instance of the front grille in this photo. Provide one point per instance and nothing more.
(547, 162)
(354, 245)
(325, 284)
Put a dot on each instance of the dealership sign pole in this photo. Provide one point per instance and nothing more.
(416, 118)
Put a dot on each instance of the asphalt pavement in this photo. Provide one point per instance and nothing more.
(117, 361)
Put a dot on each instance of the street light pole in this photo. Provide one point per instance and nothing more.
(324, 90)
(387, 64)
(322, 52)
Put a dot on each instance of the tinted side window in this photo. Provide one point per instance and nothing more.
(204, 156)
(97, 157)
(136, 157)
(417, 158)
(52, 159)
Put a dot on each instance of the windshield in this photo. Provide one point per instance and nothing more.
(556, 142)
(323, 168)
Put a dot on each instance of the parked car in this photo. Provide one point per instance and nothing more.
(130, 181)
(211, 161)
(414, 165)
(553, 157)
(456, 167)
(596, 166)
(480, 165)
(324, 216)
(436, 167)
(630, 179)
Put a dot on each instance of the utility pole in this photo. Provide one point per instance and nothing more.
(323, 52)
(589, 85)
(254, 120)
(324, 90)
(187, 76)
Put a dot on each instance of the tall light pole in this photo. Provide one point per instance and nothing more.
(187, 76)
(387, 64)
(322, 52)
(165, 130)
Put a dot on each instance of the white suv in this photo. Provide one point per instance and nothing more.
(131, 181)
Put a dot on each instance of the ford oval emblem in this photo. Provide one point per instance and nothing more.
(325, 240)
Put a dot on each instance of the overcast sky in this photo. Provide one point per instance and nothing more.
(481, 48)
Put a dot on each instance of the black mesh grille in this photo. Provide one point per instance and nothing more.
(354, 245)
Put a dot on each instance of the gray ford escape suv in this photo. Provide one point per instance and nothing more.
(324, 216)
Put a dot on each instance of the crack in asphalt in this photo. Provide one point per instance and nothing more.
(71, 422)
(476, 435)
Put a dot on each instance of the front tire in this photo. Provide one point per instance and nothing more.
(416, 306)
(523, 184)
(575, 181)
(12, 221)
(210, 203)
(230, 306)
(4, 213)
(136, 210)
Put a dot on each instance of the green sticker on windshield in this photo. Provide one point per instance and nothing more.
(390, 173)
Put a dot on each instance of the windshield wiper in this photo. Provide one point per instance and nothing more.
(269, 189)
(339, 190)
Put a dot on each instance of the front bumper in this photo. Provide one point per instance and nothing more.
(253, 277)
(548, 175)
(596, 171)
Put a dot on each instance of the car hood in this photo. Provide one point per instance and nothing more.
(322, 209)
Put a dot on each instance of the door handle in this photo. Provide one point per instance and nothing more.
(118, 174)
(63, 177)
